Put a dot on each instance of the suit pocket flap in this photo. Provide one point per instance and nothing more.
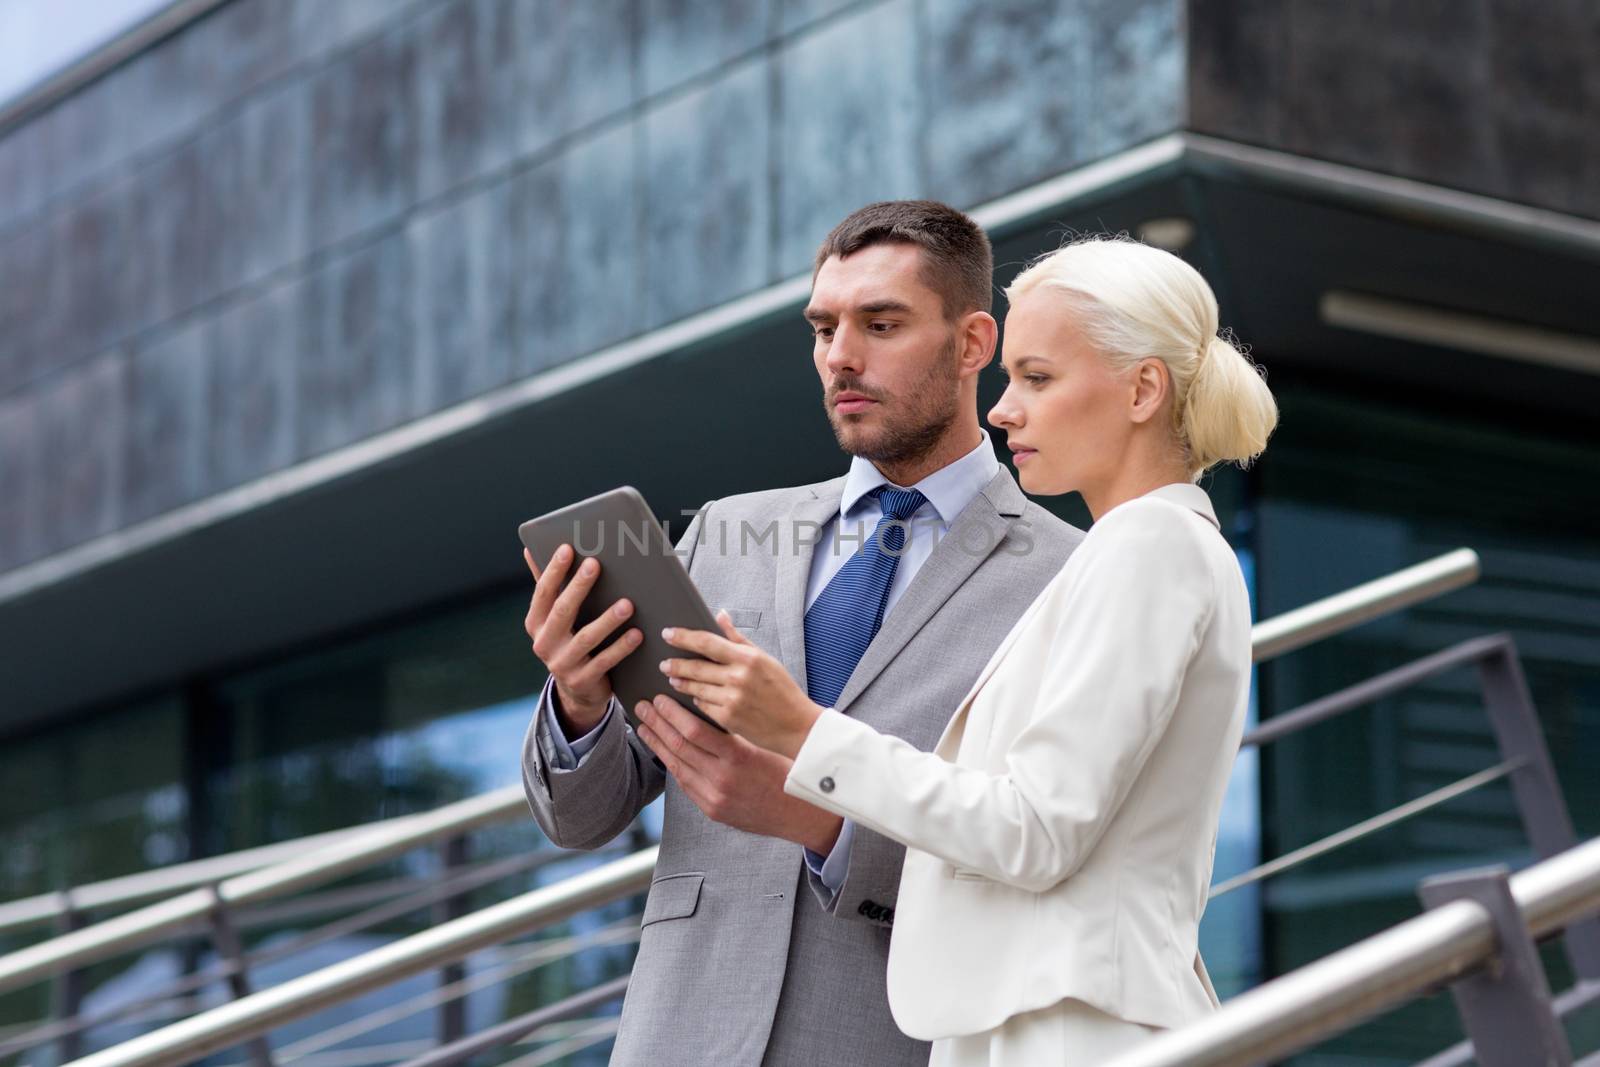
(672, 897)
(744, 618)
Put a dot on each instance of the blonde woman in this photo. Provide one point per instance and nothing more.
(1060, 836)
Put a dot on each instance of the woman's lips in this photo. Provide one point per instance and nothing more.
(1022, 455)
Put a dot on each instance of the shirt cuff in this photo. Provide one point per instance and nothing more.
(833, 867)
(568, 754)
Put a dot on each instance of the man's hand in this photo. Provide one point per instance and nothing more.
(582, 689)
(731, 780)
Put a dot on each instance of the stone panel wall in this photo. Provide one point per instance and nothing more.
(1500, 97)
(297, 223)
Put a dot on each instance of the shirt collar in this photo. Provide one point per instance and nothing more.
(1191, 496)
(949, 489)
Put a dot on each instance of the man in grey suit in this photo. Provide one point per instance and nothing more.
(766, 930)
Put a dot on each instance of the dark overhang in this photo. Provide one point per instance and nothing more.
(727, 402)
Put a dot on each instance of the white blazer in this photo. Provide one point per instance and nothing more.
(1061, 833)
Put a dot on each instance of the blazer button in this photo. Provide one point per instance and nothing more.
(826, 785)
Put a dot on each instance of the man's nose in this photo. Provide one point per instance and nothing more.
(846, 352)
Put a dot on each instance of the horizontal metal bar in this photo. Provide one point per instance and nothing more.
(165, 881)
(1363, 603)
(575, 1040)
(539, 954)
(1375, 688)
(1367, 827)
(1578, 997)
(1352, 985)
(391, 908)
(318, 867)
(512, 1029)
(229, 1024)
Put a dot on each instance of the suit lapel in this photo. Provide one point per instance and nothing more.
(797, 539)
(982, 523)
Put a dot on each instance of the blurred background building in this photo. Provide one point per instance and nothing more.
(305, 304)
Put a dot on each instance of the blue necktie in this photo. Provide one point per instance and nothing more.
(842, 620)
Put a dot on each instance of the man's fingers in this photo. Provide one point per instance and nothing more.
(588, 639)
(612, 654)
(668, 759)
(564, 612)
(708, 742)
(548, 584)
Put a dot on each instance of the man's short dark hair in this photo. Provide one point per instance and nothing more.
(957, 262)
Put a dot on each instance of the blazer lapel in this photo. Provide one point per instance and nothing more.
(993, 665)
(983, 522)
(797, 540)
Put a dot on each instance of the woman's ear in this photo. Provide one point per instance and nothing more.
(1152, 384)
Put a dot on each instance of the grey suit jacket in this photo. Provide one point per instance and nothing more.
(744, 959)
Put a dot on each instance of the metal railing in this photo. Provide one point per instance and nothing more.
(1443, 945)
(252, 1015)
(317, 867)
(48, 908)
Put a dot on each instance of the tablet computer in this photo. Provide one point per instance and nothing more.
(638, 562)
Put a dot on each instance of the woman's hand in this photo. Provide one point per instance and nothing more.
(741, 687)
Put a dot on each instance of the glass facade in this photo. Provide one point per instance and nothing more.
(1356, 487)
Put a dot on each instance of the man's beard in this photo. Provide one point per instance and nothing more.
(915, 430)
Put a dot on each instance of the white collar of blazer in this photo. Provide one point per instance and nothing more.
(1189, 495)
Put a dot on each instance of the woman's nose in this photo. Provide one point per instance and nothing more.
(1005, 415)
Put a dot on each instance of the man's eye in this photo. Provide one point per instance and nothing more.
(823, 333)
(881, 327)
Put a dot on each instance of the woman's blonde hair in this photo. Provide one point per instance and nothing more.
(1134, 302)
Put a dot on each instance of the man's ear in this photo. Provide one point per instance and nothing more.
(977, 336)
(1152, 385)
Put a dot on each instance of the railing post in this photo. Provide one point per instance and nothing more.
(1504, 1006)
(454, 852)
(67, 988)
(1534, 784)
(231, 950)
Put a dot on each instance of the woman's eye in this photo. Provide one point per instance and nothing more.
(1035, 379)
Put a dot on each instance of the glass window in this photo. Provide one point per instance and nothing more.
(1351, 490)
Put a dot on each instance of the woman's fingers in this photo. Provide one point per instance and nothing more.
(698, 670)
(729, 630)
(710, 645)
(702, 692)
